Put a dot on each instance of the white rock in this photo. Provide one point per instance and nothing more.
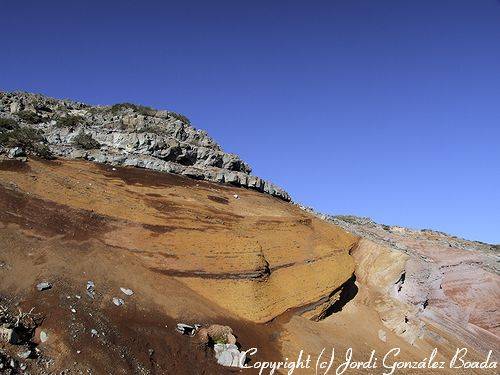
(229, 355)
(44, 286)
(219, 348)
(118, 301)
(43, 336)
(225, 359)
(126, 291)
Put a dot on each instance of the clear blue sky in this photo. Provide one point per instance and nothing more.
(388, 109)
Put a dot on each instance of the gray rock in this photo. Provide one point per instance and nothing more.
(90, 289)
(16, 152)
(24, 354)
(43, 336)
(15, 107)
(229, 355)
(225, 358)
(44, 286)
(144, 138)
(118, 301)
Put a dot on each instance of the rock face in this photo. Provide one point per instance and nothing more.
(130, 135)
(421, 278)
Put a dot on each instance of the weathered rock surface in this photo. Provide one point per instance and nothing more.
(130, 135)
(418, 278)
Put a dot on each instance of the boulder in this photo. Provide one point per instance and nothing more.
(229, 355)
(16, 152)
(44, 286)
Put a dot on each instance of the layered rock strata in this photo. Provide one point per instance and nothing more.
(130, 135)
(417, 278)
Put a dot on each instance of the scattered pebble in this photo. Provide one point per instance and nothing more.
(73, 310)
(43, 336)
(126, 291)
(78, 297)
(44, 286)
(91, 289)
(24, 354)
(93, 332)
(118, 301)
(236, 196)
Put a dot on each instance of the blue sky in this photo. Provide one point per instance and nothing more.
(388, 109)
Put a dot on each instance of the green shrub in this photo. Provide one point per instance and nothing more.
(69, 121)
(30, 117)
(180, 117)
(43, 151)
(30, 140)
(21, 137)
(8, 124)
(151, 128)
(86, 141)
(141, 109)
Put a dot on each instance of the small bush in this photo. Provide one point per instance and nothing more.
(180, 117)
(25, 138)
(141, 109)
(30, 140)
(155, 129)
(86, 141)
(8, 124)
(30, 117)
(43, 151)
(69, 121)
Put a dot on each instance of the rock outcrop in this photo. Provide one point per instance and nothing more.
(129, 135)
(418, 278)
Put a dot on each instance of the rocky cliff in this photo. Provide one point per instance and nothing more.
(121, 135)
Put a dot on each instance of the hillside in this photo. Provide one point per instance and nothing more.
(105, 259)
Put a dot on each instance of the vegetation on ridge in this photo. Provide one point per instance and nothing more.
(69, 121)
(30, 140)
(30, 117)
(85, 141)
